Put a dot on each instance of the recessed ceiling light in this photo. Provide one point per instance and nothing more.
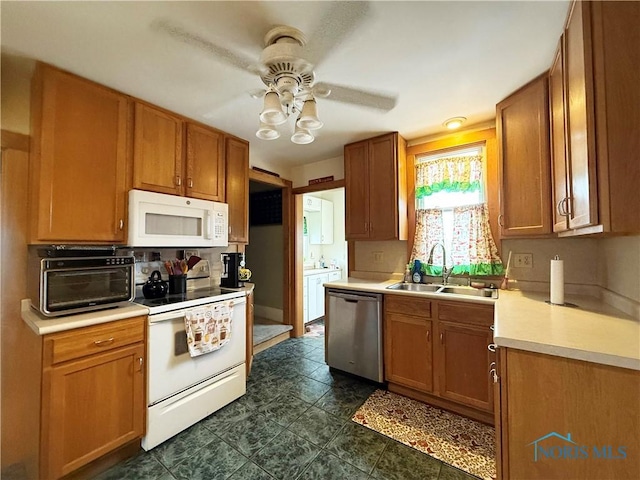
(454, 122)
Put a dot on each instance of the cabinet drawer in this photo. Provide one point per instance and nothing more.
(77, 343)
(471, 313)
(418, 307)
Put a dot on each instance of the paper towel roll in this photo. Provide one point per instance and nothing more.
(557, 281)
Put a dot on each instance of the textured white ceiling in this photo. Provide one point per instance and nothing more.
(441, 59)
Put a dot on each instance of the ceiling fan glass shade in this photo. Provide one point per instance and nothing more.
(302, 136)
(308, 119)
(267, 132)
(272, 113)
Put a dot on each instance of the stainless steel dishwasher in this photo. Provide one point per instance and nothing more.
(353, 333)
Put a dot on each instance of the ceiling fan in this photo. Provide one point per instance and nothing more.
(286, 68)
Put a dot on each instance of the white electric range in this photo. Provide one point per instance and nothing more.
(181, 389)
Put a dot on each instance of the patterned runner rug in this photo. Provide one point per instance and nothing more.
(456, 440)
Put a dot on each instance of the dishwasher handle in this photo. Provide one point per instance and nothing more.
(350, 297)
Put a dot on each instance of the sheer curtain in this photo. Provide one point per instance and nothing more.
(473, 250)
(448, 180)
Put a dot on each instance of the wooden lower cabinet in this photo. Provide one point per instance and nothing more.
(408, 351)
(93, 394)
(463, 361)
(436, 351)
(566, 419)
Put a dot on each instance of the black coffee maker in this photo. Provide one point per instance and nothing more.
(231, 263)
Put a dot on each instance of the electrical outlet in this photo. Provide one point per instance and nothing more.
(191, 253)
(378, 257)
(523, 260)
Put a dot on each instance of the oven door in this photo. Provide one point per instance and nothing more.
(172, 369)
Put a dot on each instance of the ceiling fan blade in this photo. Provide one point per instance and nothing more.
(376, 100)
(230, 57)
(340, 21)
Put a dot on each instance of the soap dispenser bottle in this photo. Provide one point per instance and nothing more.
(407, 274)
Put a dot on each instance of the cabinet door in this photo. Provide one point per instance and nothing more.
(558, 153)
(237, 190)
(383, 188)
(79, 159)
(356, 175)
(205, 163)
(326, 222)
(525, 178)
(580, 118)
(157, 151)
(90, 407)
(463, 364)
(312, 296)
(407, 351)
(322, 279)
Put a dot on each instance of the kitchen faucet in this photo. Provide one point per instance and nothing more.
(445, 271)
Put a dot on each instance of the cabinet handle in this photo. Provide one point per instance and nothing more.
(491, 347)
(366, 226)
(500, 220)
(567, 206)
(442, 337)
(121, 224)
(428, 335)
(178, 180)
(560, 209)
(492, 327)
(494, 375)
(229, 229)
(140, 363)
(190, 180)
(104, 343)
(492, 366)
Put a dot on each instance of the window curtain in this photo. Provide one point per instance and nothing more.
(429, 231)
(452, 174)
(474, 251)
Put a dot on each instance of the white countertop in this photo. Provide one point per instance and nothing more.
(42, 325)
(594, 332)
(314, 271)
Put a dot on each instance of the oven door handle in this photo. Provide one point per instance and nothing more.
(179, 314)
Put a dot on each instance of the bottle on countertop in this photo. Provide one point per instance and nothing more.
(322, 264)
(407, 274)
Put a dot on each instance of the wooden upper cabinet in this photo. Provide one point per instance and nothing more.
(525, 179)
(558, 144)
(78, 171)
(205, 163)
(601, 111)
(356, 173)
(237, 172)
(376, 188)
(157, 151)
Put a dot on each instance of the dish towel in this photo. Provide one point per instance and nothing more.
(208, 327)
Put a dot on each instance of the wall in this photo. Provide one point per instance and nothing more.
(580, 257)
(301, 175)
(367, 257)
(267, 269)
(619, 272)
(16, 93)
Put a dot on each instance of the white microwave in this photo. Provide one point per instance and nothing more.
(161, 220)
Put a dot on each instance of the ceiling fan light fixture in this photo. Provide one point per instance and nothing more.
(308, 119)
(267, 132)
(272, 113)
(302, 136)
(455, 122)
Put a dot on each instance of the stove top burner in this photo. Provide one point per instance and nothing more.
(177, 301)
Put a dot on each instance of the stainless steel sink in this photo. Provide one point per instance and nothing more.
(445, 289)
(476, 292)
(415, 287)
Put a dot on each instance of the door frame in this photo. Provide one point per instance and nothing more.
(296, 236)
(289, 307)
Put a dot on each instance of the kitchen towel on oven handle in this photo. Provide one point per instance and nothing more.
(208, 327)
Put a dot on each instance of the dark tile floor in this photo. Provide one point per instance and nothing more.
(293, 423)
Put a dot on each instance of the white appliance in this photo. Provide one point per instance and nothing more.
(182, 390)
(161, 220)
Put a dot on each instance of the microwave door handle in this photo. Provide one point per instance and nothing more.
(208, 226)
